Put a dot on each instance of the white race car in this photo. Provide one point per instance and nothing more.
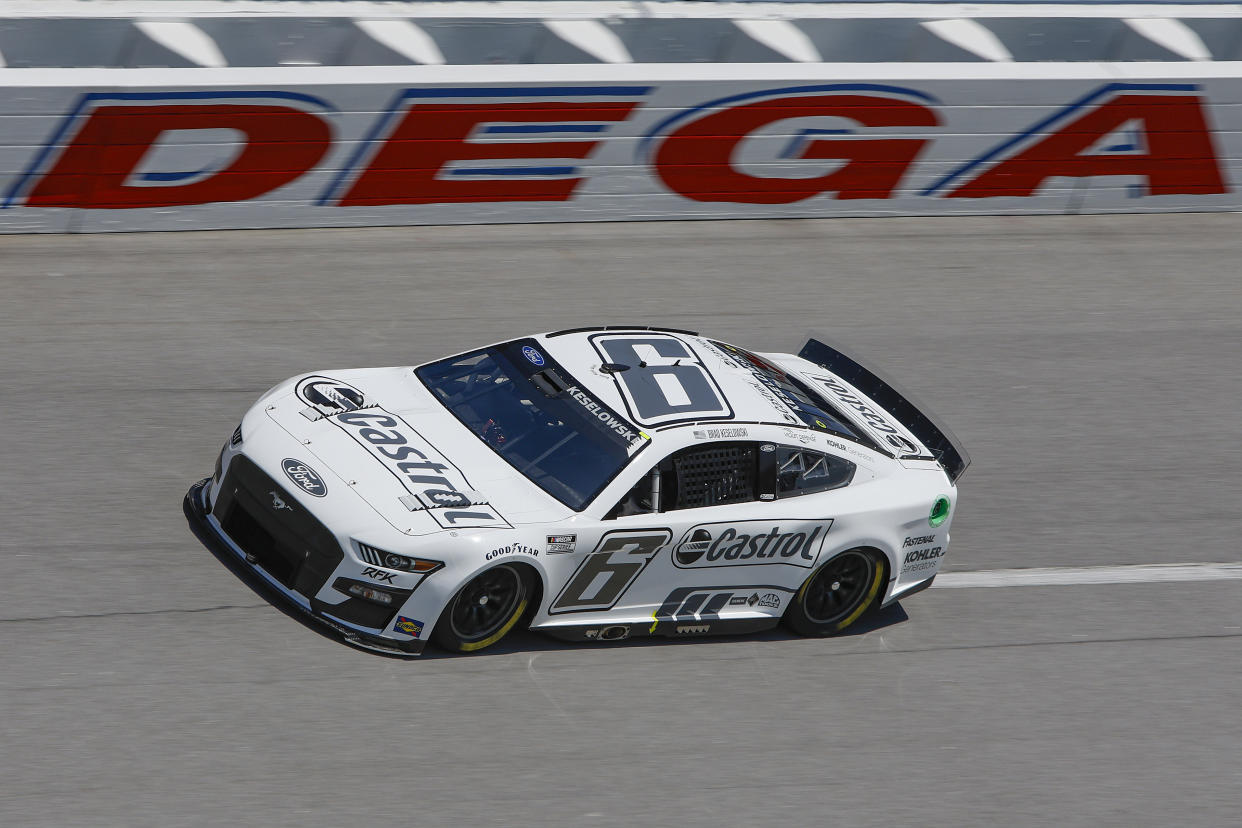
(595, 484)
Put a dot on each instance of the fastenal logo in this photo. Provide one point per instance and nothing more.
(307, 479)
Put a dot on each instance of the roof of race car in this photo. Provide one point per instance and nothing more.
(670, 376)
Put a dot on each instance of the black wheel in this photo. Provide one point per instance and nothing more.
(483, 611)
(837, 594)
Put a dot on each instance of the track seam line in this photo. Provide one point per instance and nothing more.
(127, 613)
(1089, 575)
(982, 578)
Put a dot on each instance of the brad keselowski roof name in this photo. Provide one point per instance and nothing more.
(600, 413)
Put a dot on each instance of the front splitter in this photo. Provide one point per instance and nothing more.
(195, 511)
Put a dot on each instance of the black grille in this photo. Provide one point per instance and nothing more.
(715, 476)
(267, 523)
(236, 438)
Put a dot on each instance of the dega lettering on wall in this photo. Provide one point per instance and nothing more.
(507, 145)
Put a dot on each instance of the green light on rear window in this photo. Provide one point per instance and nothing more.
(939, 512)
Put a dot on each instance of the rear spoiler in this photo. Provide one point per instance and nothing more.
(946, 448)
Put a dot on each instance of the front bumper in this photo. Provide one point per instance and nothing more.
(196, 511)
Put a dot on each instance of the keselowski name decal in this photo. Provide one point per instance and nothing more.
(420, 468)
(596, 410)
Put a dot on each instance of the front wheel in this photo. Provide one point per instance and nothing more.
(838, 594)
(483, 611)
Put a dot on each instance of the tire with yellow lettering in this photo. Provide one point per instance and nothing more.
(838, 593)
(484, 610)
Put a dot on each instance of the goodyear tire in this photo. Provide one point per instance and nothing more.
(837, 594)
(484, 610)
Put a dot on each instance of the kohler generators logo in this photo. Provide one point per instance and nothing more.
(308, 479)
(753, 543)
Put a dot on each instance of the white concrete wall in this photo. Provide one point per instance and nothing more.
(131, 149)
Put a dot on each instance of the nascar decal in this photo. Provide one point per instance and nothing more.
(423, 471)
(560, 544)
(752, 543)
(882, 429)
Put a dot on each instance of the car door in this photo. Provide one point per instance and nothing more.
(743, 537)
(638, 533)
(710, 530)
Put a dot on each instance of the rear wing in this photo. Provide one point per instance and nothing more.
(946, 448)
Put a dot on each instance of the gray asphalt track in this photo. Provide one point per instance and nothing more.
(1090, 364)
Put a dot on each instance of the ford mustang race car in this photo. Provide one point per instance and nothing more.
(593, 484)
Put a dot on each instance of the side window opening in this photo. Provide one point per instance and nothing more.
(695, 477)
(800, 472)
(724, 473)
(642, 499)
(714, 476)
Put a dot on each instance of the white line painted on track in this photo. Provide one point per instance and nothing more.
(1069, 575)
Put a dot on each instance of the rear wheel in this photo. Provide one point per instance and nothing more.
(837, 594)
(484, 610)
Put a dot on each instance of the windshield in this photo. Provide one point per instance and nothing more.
(809, 408)
(528, 410)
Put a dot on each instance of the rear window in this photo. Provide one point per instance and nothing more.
(808, 406)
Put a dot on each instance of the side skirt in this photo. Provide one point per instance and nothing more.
(650, 628)
(906, 592)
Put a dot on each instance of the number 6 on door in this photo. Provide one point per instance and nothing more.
(619, 558)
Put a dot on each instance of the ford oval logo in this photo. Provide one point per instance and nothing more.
(308, 479)
(534, 356)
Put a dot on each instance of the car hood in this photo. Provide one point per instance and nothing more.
(385, 437)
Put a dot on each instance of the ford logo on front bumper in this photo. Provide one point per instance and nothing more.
(308, 479)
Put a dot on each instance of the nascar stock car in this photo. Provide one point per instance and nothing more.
(594, 484)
